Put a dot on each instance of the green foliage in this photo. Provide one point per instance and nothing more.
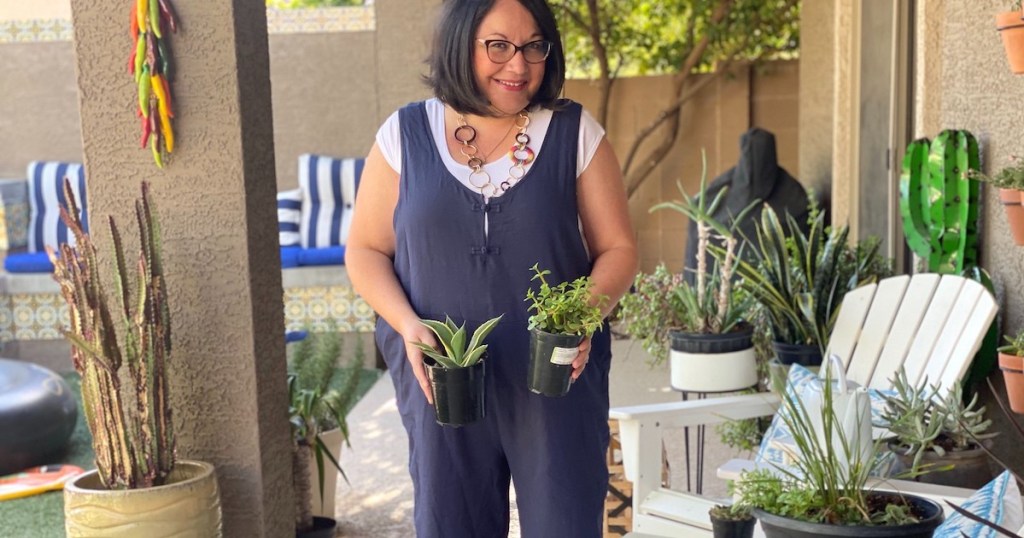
(731, 512)
(303, 4)
(565, 308)
(1014, 346)
(456, 352)
(646, 38)
(128, 413)
(1011, 177)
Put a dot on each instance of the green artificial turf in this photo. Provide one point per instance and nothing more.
(42, 516)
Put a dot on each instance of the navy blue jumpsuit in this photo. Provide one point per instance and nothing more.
(553, 448)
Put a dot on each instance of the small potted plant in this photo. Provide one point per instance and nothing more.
(122, 348)
(563, 315)
(321, 392)
(1010, 181)
(732, 521)
(1011, 28)
(456, 371)
(937, 440)
(1011, 362)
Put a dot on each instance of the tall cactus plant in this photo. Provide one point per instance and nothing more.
(128, 412)
(939, 204)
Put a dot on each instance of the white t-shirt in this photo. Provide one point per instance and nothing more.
(389, 140)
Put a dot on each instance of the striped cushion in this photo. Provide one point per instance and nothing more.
(328, 187)
(998, 501)
(289, 215)
(46, 196)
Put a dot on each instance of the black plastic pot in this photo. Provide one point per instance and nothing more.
(458, 392)
(551, 356)
(323, 527)
(930, 514)
(731, 528)
(802, 354)
(739, 339)
(970, 470)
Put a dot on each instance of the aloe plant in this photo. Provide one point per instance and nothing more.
(455, 352)
(1014, 346)
(128, 413)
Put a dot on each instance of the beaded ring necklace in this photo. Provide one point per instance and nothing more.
(520, 153)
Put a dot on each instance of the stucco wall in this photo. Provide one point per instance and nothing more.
(817, 88)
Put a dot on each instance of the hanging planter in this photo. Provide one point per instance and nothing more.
(1011, 29)
(713, 362)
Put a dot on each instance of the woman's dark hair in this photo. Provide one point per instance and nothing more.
(451, 56)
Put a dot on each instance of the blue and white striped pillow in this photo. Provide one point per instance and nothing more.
(289, 215)
(998, 501)
(328, 187)
(46, 196)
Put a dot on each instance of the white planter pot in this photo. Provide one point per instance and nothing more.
(333, 439)
(713, 372)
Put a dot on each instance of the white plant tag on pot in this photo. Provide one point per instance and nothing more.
(564, 355)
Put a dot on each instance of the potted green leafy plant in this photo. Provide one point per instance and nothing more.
(732, 521)
(1011, 362)
(320, 392)
(563, 315)
(1011, 28)
(936, 440)
(825, 491)
(457, 370)
(122, 347)
(1010, 180)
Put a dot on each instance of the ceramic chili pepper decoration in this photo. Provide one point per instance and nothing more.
(150, 64)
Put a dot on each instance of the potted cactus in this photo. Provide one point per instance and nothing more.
(1011, 362)
(456, 371)
(1010, 181)
(122, 347)
(563, 316)
(1011, 28)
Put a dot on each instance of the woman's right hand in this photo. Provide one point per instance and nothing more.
(415, 331)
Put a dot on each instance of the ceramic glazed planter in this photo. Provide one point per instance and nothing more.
(970, 467)
(551, 357)
(458, 392)
(783, 527)
(1011, 29)
(1013, 374)
(1012, 204)
(804, 355)
(188, 505)
(713, 362)
(324, 506)
(730, 528)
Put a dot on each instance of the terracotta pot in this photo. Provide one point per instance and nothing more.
(1013, 374)
(1012, 200)
(1011, 29)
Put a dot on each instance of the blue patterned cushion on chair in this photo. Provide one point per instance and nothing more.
(328, 187)
(290, 256)
(46, 196)
(289, 215)
(998, 502)
(322, 256)
(28, 262)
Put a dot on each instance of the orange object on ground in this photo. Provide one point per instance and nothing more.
(37, 480)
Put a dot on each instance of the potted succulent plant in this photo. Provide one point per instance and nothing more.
(563, 315)
(818, 497)
(732, 521)
(1011, 28)
(122, 347)
(1011, 362)
(1010, 181)
(937, 440)
(456, 371)
(320, 394)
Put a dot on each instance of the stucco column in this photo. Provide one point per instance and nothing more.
(215, 198)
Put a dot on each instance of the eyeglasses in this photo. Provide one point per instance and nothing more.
(500, 51)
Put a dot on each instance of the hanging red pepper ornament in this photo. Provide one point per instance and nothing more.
(150, 63)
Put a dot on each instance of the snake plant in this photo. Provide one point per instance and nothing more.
(455, 353)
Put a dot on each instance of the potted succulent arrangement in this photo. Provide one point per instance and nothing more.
(732, 521)
(937, 440)
(563, 315)
(122, 348)
(1011, 28)
(320, 394)
(1010, 180)
(818, 496)
(1011, 362)
(456, 372)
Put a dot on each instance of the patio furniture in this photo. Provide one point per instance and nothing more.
(37, 415)
(931, 325)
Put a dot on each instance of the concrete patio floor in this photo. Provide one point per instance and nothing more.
(378, 501)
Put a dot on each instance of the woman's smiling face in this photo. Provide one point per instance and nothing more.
(508, 86)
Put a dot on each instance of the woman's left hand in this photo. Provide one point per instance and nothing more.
(582, 358)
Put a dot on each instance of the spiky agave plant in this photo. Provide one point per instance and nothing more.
(128, 413)
(454, 352)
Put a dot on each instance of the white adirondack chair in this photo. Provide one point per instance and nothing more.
(930, 324)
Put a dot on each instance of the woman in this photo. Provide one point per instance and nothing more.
(448, 223)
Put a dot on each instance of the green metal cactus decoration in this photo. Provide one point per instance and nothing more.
(128, 413)
(939, 204)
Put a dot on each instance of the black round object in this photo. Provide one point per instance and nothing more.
(783, 527)
(547, 375)
(802, 354)
(458, 392)
(736, 340)
(37, 415)
(323, 527)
